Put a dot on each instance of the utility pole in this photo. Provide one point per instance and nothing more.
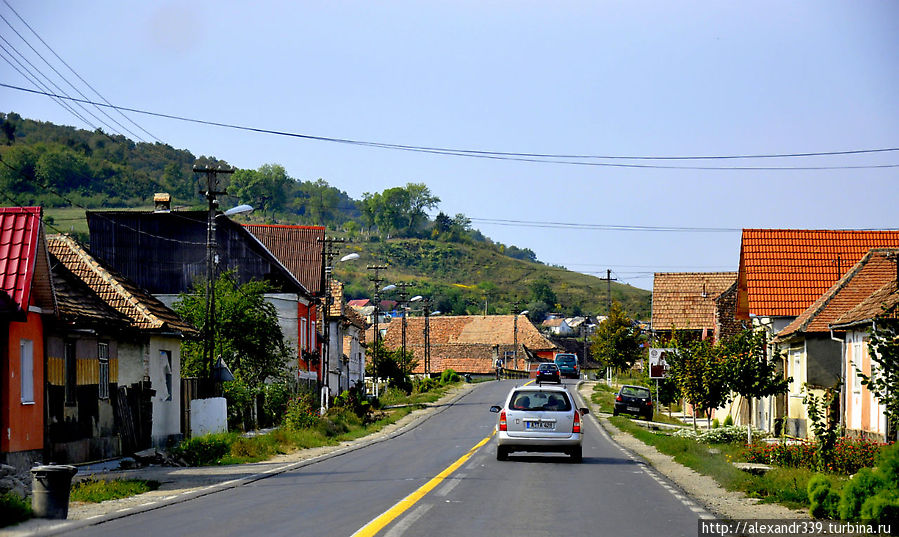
(377, 280)
(427, 334)
(211, 261)
(609, 279)
(329, 251)
(515, 312)
(402, 286)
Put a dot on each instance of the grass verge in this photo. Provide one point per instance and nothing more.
(94, 490)
(784, 486)
(334, 428)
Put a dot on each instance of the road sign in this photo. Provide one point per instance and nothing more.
(658, 365)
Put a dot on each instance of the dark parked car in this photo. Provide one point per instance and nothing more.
(635, 400)
(548, 373)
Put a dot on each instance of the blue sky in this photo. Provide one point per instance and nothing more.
(575, 78)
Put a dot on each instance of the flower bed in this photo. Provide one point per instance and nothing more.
(849, 455)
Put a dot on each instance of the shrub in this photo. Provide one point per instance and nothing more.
(728, 420)
(353, 400)
(864, 484)
(715, 423)
(13, 509)
(424, 385)
(881, 508)
(204, 450)
(301, 412)
(823, 500)
(449, 376)
(277, 397)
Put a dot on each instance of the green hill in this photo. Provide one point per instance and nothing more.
(464, 278)
(68, 170)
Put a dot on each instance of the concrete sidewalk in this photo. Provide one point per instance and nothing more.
(179, 484)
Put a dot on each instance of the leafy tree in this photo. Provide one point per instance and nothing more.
(883, 381)
(542, 291)
(247, 333)
(263, 188)
(390, 364)
(617, 341)
(701, 373)
(419, 198)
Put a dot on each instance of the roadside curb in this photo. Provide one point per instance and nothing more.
(49, 527)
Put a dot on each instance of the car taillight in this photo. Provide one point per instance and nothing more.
(577, 422)
(502, 421)
(618, 398)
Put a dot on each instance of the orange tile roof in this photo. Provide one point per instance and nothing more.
(297, 247)
(465, 343)
(783, 271)
(142, 309)
(686, 300)
(871, 273)
(883, 301)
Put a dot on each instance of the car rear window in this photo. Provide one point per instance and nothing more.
(635, 392)
(547, 367)
(540, 400)
(566, 360)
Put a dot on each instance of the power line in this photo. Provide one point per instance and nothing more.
(58, 57)
(496, 155)
(39, 55)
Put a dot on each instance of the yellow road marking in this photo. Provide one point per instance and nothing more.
(376, 525)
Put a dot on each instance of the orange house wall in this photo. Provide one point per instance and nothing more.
(23, 423)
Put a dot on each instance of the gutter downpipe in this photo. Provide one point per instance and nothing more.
(843, 394)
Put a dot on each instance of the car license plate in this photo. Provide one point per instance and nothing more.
(633, 409)
(540, 425)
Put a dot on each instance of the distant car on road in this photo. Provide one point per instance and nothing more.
(539, 418)
(548, 372)
(635, 400)
(567, 365)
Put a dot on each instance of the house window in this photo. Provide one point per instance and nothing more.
(508, 356)
(103, 359)
(166, 357)
(26, 356)
(857, 364)
(71, 372)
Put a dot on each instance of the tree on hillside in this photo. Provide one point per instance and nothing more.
(264, 188)
(419, 199)
(617, 341)
(542, 291)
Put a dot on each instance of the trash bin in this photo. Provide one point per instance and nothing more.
(50, 485)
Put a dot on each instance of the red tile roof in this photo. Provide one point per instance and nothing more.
(783, 271)
(297, 247)
(22, 256)
(142, 309)
(686, 300)
(871, 273)
(465, 343)
(882, 302)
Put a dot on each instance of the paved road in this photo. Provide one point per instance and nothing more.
(609, 494)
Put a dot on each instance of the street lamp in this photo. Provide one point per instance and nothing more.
(329, 251)
(212, 260)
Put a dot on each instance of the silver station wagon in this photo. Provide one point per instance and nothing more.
(539, 418)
